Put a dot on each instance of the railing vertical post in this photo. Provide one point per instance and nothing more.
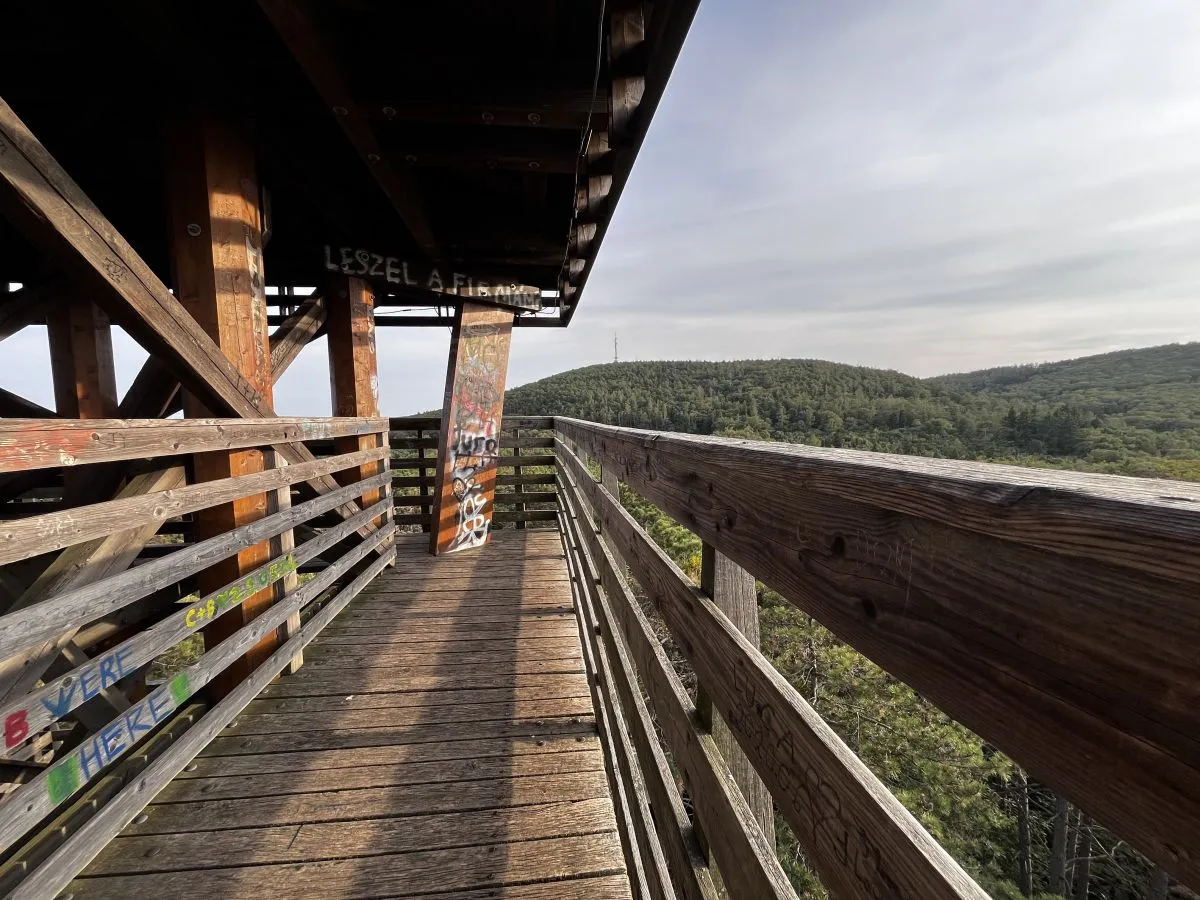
(426, 490)
(608, 478)
(284, 542)
(385, 440)
(732, 589)
(520, 488)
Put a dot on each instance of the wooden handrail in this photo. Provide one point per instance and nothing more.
(747, 862)
(45, 443)
(1054, 614)
(861, 839)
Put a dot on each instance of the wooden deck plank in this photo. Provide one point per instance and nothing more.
(397, 755)
(371, 681)
(343, 840)
(402, 875)
(440, 740)
(568, 687)
(222, 786)
(367, 803)
(497, 665)
(414, 717)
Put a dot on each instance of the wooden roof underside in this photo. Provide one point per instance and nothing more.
(486, 138)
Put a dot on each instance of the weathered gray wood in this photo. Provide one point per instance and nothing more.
(64, 607)
(39, 639)
(229, 787)
(39, 444)
(347, 840)
(393, 717)
(53, 531)
(645, 864)
(746, 861)
(369, 803)
(450, 753)
(60, 696)
(860, 838)
(732, 589)
(526, 730)
(561, 687)
(1061, 603)
(668, 849)
(491, 866)
(71, 858)
(37, 798)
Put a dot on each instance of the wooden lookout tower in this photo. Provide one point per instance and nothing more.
(247, 655)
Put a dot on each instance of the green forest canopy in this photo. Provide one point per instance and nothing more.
(1134, 412)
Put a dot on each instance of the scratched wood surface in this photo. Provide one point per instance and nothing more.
(440, 738)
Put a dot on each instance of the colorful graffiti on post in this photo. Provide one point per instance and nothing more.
(474, 406)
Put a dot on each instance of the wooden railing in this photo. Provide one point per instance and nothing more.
(88, 742)
(1055, 614)
(524, 486)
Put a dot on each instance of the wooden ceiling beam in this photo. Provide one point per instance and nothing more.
(514, 107)
(58, 213)
(293, 22)
(644, 43)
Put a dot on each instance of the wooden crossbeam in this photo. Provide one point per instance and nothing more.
(293, 21)
(75, 567)
(27, 306)
(13, 406)
(62, 217)
(155, 391)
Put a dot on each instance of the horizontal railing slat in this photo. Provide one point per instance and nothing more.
(81, 848)
(53, 531)
(1053, 614)
(861, 839)
(43, 443)
(747, 863)
(30, 803)
(50, 617)
(57, 698)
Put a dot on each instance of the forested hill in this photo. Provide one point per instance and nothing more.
(1136, 411)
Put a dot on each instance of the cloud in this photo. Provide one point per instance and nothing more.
(927, 185)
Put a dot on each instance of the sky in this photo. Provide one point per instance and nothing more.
(924, 185)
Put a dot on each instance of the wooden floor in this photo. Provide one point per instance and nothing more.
(440, 739)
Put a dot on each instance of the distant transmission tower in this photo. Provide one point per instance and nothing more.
(615, 357)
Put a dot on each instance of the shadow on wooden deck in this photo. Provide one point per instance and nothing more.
(440, 739)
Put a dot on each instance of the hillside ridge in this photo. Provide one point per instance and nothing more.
(1130, 411)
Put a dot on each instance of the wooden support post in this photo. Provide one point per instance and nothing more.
(353, 368)
(469, 442)
(217, 252)
(81, 354)
(85, 381)
(732, 589)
